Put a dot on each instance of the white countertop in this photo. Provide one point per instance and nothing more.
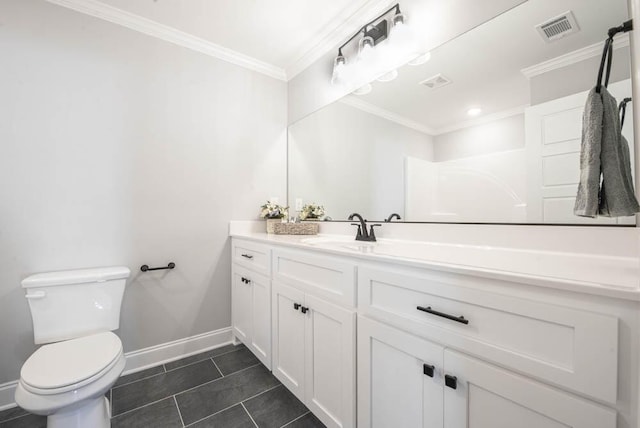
(614, 276)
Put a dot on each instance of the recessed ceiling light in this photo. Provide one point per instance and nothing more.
(420, 59)
(474, 111)
(363, 90)
(388, 77)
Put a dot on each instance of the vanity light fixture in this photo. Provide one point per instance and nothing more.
(474, 111)
(374, 60)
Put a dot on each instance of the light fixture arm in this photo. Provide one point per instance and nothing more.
(364, 28)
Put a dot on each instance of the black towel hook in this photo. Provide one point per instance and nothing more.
(607, 56)
(607, 53)
(622, 108)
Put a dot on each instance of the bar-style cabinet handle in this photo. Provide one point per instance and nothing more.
(428, 310)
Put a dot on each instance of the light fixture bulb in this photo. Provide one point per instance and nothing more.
(339, 65)
(474, 111)
(363, 90)
(420, 59)
(388, 77)
(365, 47)
(398, 18)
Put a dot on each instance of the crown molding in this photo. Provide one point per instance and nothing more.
(169, 34)
(333, 36)
(353, 101)
(573, 57)
(481, 120)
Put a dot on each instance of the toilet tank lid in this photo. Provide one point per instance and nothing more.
(78, 276)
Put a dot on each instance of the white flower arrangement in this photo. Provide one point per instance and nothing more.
(271, 210)
(312, 211)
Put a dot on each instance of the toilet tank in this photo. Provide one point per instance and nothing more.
(74, 303)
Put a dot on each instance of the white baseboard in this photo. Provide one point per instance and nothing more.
(148, 357)
(170, 351)
(6, 395)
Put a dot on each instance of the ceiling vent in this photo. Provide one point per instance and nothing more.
(436, 81)
(558, 27)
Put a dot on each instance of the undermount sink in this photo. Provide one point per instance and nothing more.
(320, 240)
(347, 243)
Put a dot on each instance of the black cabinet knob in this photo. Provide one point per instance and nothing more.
(296, 306)
(304, 309)
(451, 381)
(428, 370)
(245, 280)
(247, 256)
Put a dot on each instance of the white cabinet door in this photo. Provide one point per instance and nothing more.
(330, 362)
(260, 341)
(288, 337)
(488, 397)
(251, 312)
(399, 378)
(241, 298)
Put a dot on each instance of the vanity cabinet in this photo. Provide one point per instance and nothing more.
(567, 347)
(405, 380)
(435, 349)
(251, 298)
(313, 337)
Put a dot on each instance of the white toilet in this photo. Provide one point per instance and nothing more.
(73, 312)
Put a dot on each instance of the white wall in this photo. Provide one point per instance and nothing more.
(496, 136)
(121, 149)
(352, 161)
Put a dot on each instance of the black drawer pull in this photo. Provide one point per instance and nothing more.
(428, 310)
(451, 381)
(304, 309)
(296, 306)
(247, 256)
(428, 370)
(245, 280)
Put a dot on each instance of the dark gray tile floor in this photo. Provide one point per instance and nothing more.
(224, 387)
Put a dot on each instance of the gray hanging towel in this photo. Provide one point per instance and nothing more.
(617, 197)
(588, 195)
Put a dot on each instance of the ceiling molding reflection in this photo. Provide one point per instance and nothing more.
(353, 101)
(482, 120)
(594, 50)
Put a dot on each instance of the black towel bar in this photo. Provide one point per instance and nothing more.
(146, 268)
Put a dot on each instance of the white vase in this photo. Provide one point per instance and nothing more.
(271, 222)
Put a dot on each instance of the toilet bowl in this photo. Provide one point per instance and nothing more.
(73, 314)
(66, 381)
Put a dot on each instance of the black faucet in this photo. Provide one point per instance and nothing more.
(362, 234)
(392, 216)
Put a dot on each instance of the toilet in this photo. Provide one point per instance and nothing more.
(74, 313)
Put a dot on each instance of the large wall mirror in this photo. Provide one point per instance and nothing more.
(487, 131)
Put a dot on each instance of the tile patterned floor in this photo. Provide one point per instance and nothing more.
(224, 387)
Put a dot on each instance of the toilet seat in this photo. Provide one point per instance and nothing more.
(71, 364)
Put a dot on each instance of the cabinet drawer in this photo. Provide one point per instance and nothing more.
(571, 348)
(251, 255)
(328, 277)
